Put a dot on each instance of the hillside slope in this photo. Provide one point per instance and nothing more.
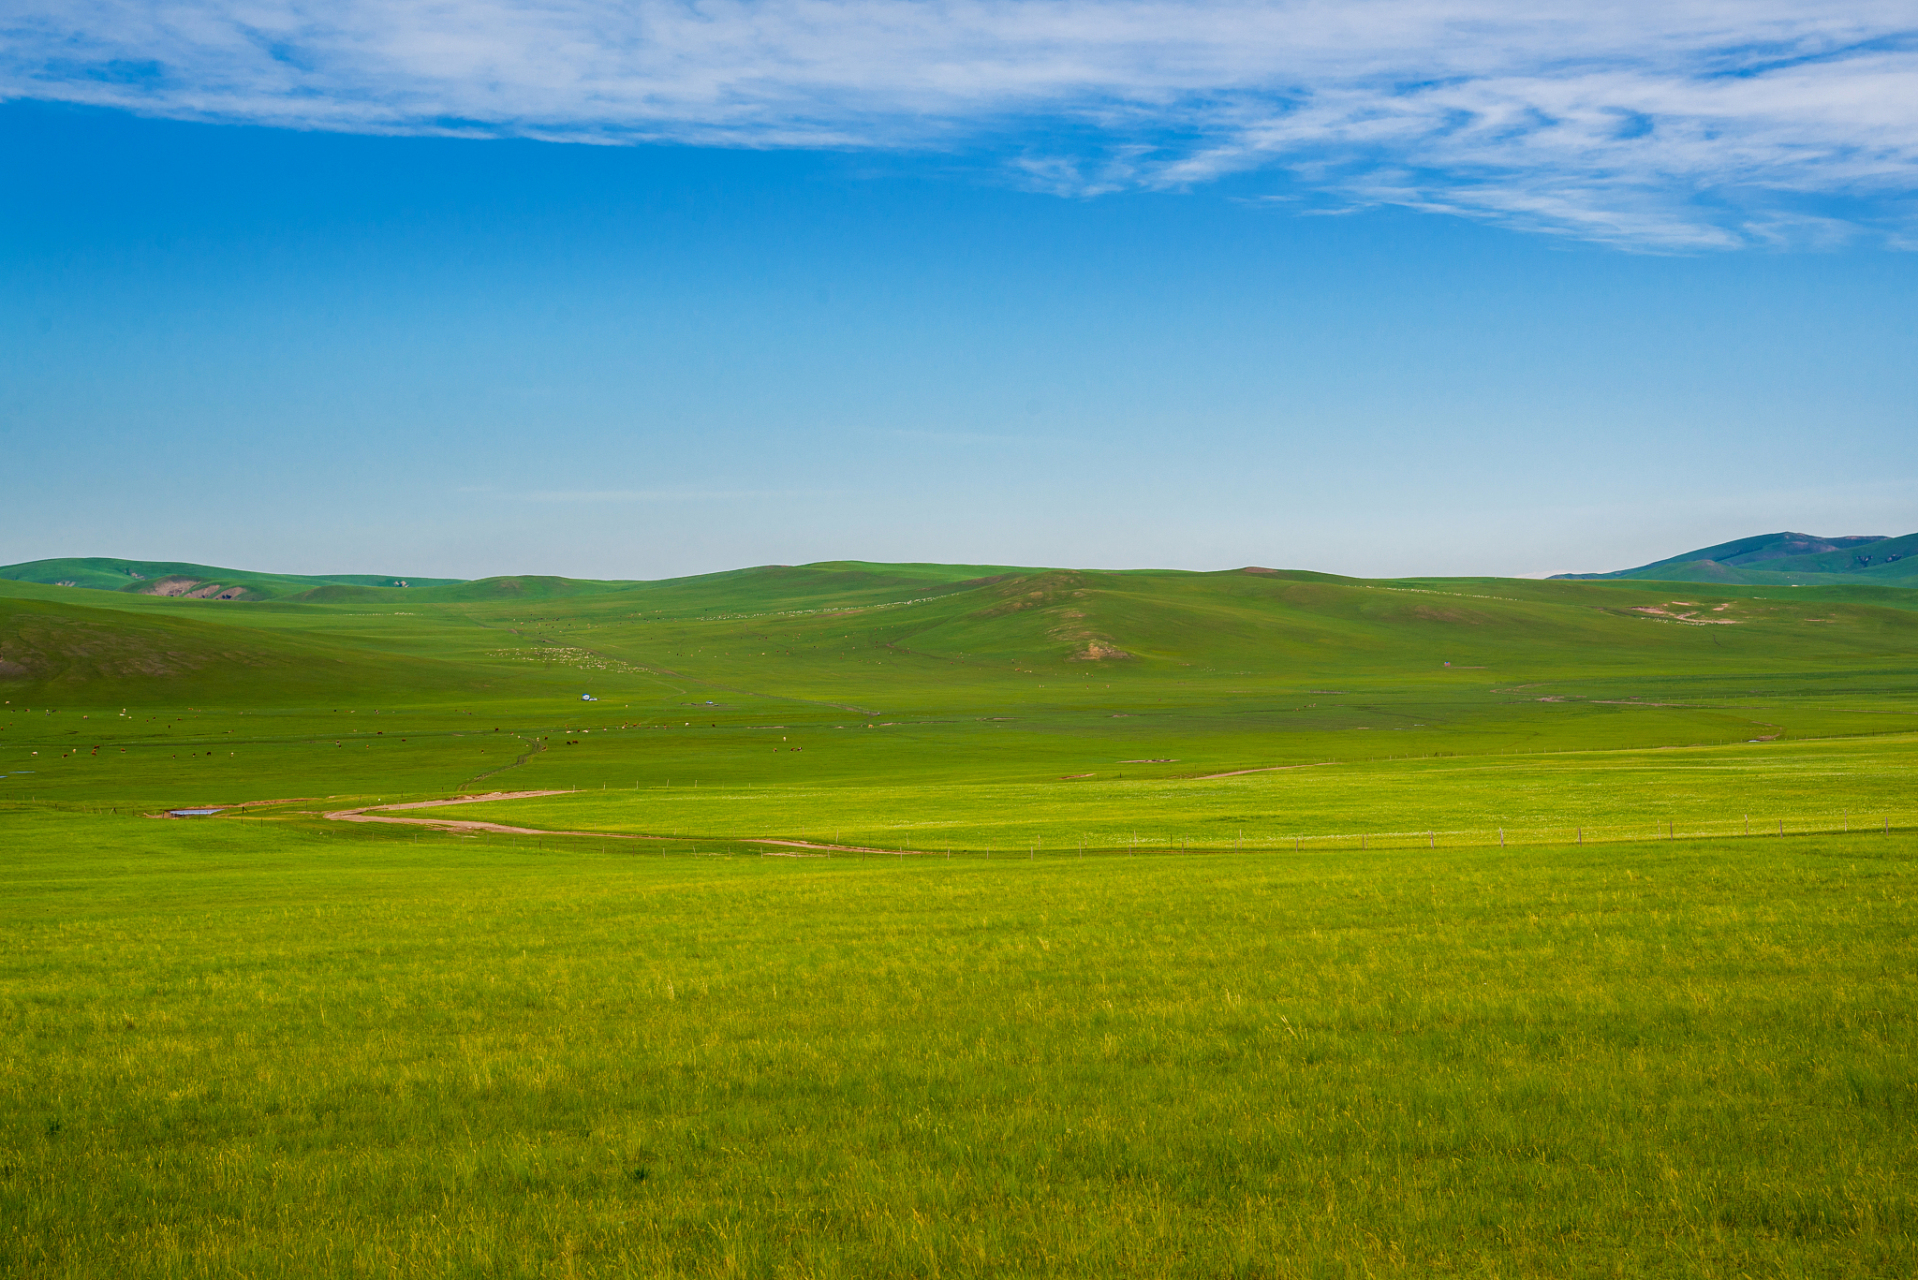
(69, 652)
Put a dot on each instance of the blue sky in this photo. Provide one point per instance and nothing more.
(1380, 289)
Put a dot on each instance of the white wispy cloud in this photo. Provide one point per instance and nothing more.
(1650, 123)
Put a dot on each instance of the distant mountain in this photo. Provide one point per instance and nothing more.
(1786, 559)
(175, 578)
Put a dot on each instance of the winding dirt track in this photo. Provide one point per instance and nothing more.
(379, 812)
(1270, 768)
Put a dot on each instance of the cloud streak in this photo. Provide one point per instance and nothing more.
(1675, 124)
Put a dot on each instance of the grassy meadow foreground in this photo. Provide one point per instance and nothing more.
(1238, 924)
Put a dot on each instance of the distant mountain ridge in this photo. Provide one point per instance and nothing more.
(1785, 559)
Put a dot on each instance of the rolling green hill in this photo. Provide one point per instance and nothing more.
(790, 628)
(177, 578)
(998, 676)
(763, 587)
(986, 672)
(1784, 559)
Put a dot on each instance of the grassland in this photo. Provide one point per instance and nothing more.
(1293, 926)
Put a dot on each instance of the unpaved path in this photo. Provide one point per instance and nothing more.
(1270, 768)
(840, 848)
(379, 812)
(238, 805)
(434, 804)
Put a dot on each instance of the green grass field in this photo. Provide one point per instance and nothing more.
(1237, 924)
